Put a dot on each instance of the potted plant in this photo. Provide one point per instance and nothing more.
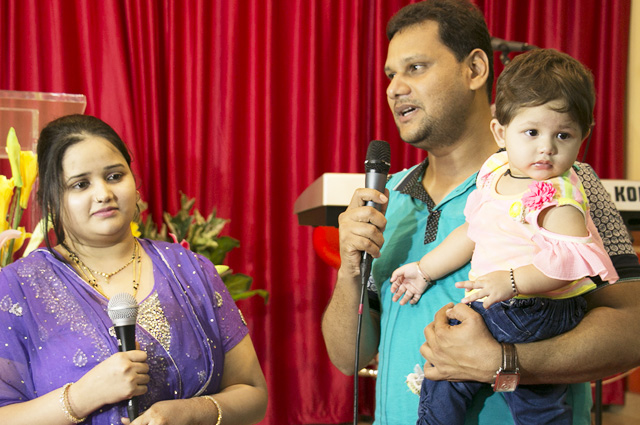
(202, 236)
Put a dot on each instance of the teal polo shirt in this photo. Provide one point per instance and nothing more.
(407, 237)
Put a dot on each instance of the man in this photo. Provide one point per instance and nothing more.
(439, 64)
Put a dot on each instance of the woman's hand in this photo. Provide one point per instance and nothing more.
(174, 412)
(120, 377)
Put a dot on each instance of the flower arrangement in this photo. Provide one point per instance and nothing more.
(14, 198)
(200, 235)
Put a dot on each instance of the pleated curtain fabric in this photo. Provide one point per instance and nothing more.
(244, 103)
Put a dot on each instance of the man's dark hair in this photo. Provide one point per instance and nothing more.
(461, 27)
(542, 76)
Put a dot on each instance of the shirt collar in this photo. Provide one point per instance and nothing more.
(411, 185)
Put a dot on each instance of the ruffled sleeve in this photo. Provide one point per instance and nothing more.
(571, 258)
(489, 168)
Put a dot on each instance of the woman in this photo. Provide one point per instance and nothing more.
(59, 359)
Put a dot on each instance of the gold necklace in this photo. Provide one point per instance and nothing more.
(88, 274)
(107, 276)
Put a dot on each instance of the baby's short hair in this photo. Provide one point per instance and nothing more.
(542, 76)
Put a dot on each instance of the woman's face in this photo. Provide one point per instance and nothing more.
(99, 200)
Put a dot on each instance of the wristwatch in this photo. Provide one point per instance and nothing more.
(508, 375)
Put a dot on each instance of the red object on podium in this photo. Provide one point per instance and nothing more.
(633, 382)
(326, 243)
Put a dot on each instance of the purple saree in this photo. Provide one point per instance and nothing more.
(54, 328)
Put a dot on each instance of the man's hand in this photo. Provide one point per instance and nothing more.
(463, 352)
(361, 229)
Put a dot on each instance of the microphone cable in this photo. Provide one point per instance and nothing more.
(364, 277)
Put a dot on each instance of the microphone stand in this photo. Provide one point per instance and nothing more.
(504, 57)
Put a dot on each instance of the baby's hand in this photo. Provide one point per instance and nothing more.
(495, 286)
(408, 293)
(407, 285)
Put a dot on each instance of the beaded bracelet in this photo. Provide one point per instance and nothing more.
(66, 405)
(215, 402)
(427, 278)
(513, 283)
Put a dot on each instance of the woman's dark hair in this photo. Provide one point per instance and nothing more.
(54, 141)
(461, 27)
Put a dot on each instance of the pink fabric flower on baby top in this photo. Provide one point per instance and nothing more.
(539, 194)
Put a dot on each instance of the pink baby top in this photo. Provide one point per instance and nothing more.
(507, 235)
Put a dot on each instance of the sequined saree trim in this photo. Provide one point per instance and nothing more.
(188, 301)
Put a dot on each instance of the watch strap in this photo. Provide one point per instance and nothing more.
(509, 358)
(508, 375)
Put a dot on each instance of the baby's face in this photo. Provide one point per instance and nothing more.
(541, 143)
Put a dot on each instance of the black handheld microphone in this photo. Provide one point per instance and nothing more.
(376, 168)
(500, 45)
(123, 311)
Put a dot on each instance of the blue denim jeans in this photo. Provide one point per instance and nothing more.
(514, 321)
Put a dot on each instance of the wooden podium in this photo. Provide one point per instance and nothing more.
(320, 205)
(322, 202)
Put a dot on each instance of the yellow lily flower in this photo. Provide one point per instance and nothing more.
(20, 239)
(36, 237)
(13, 150)
(6, 192)
(28, 172)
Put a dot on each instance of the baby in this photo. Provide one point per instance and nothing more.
(528, 232)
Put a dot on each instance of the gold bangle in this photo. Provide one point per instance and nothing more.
(66, 405)
(215, 402)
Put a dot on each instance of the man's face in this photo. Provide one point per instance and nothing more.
(427, 92)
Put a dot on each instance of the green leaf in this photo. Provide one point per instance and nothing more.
(237, 283)
(225, 244)
(248, 294)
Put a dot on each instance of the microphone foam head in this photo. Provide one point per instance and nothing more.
(123, 309)
(378, 157)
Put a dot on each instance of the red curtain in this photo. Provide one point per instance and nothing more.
(242, 104)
